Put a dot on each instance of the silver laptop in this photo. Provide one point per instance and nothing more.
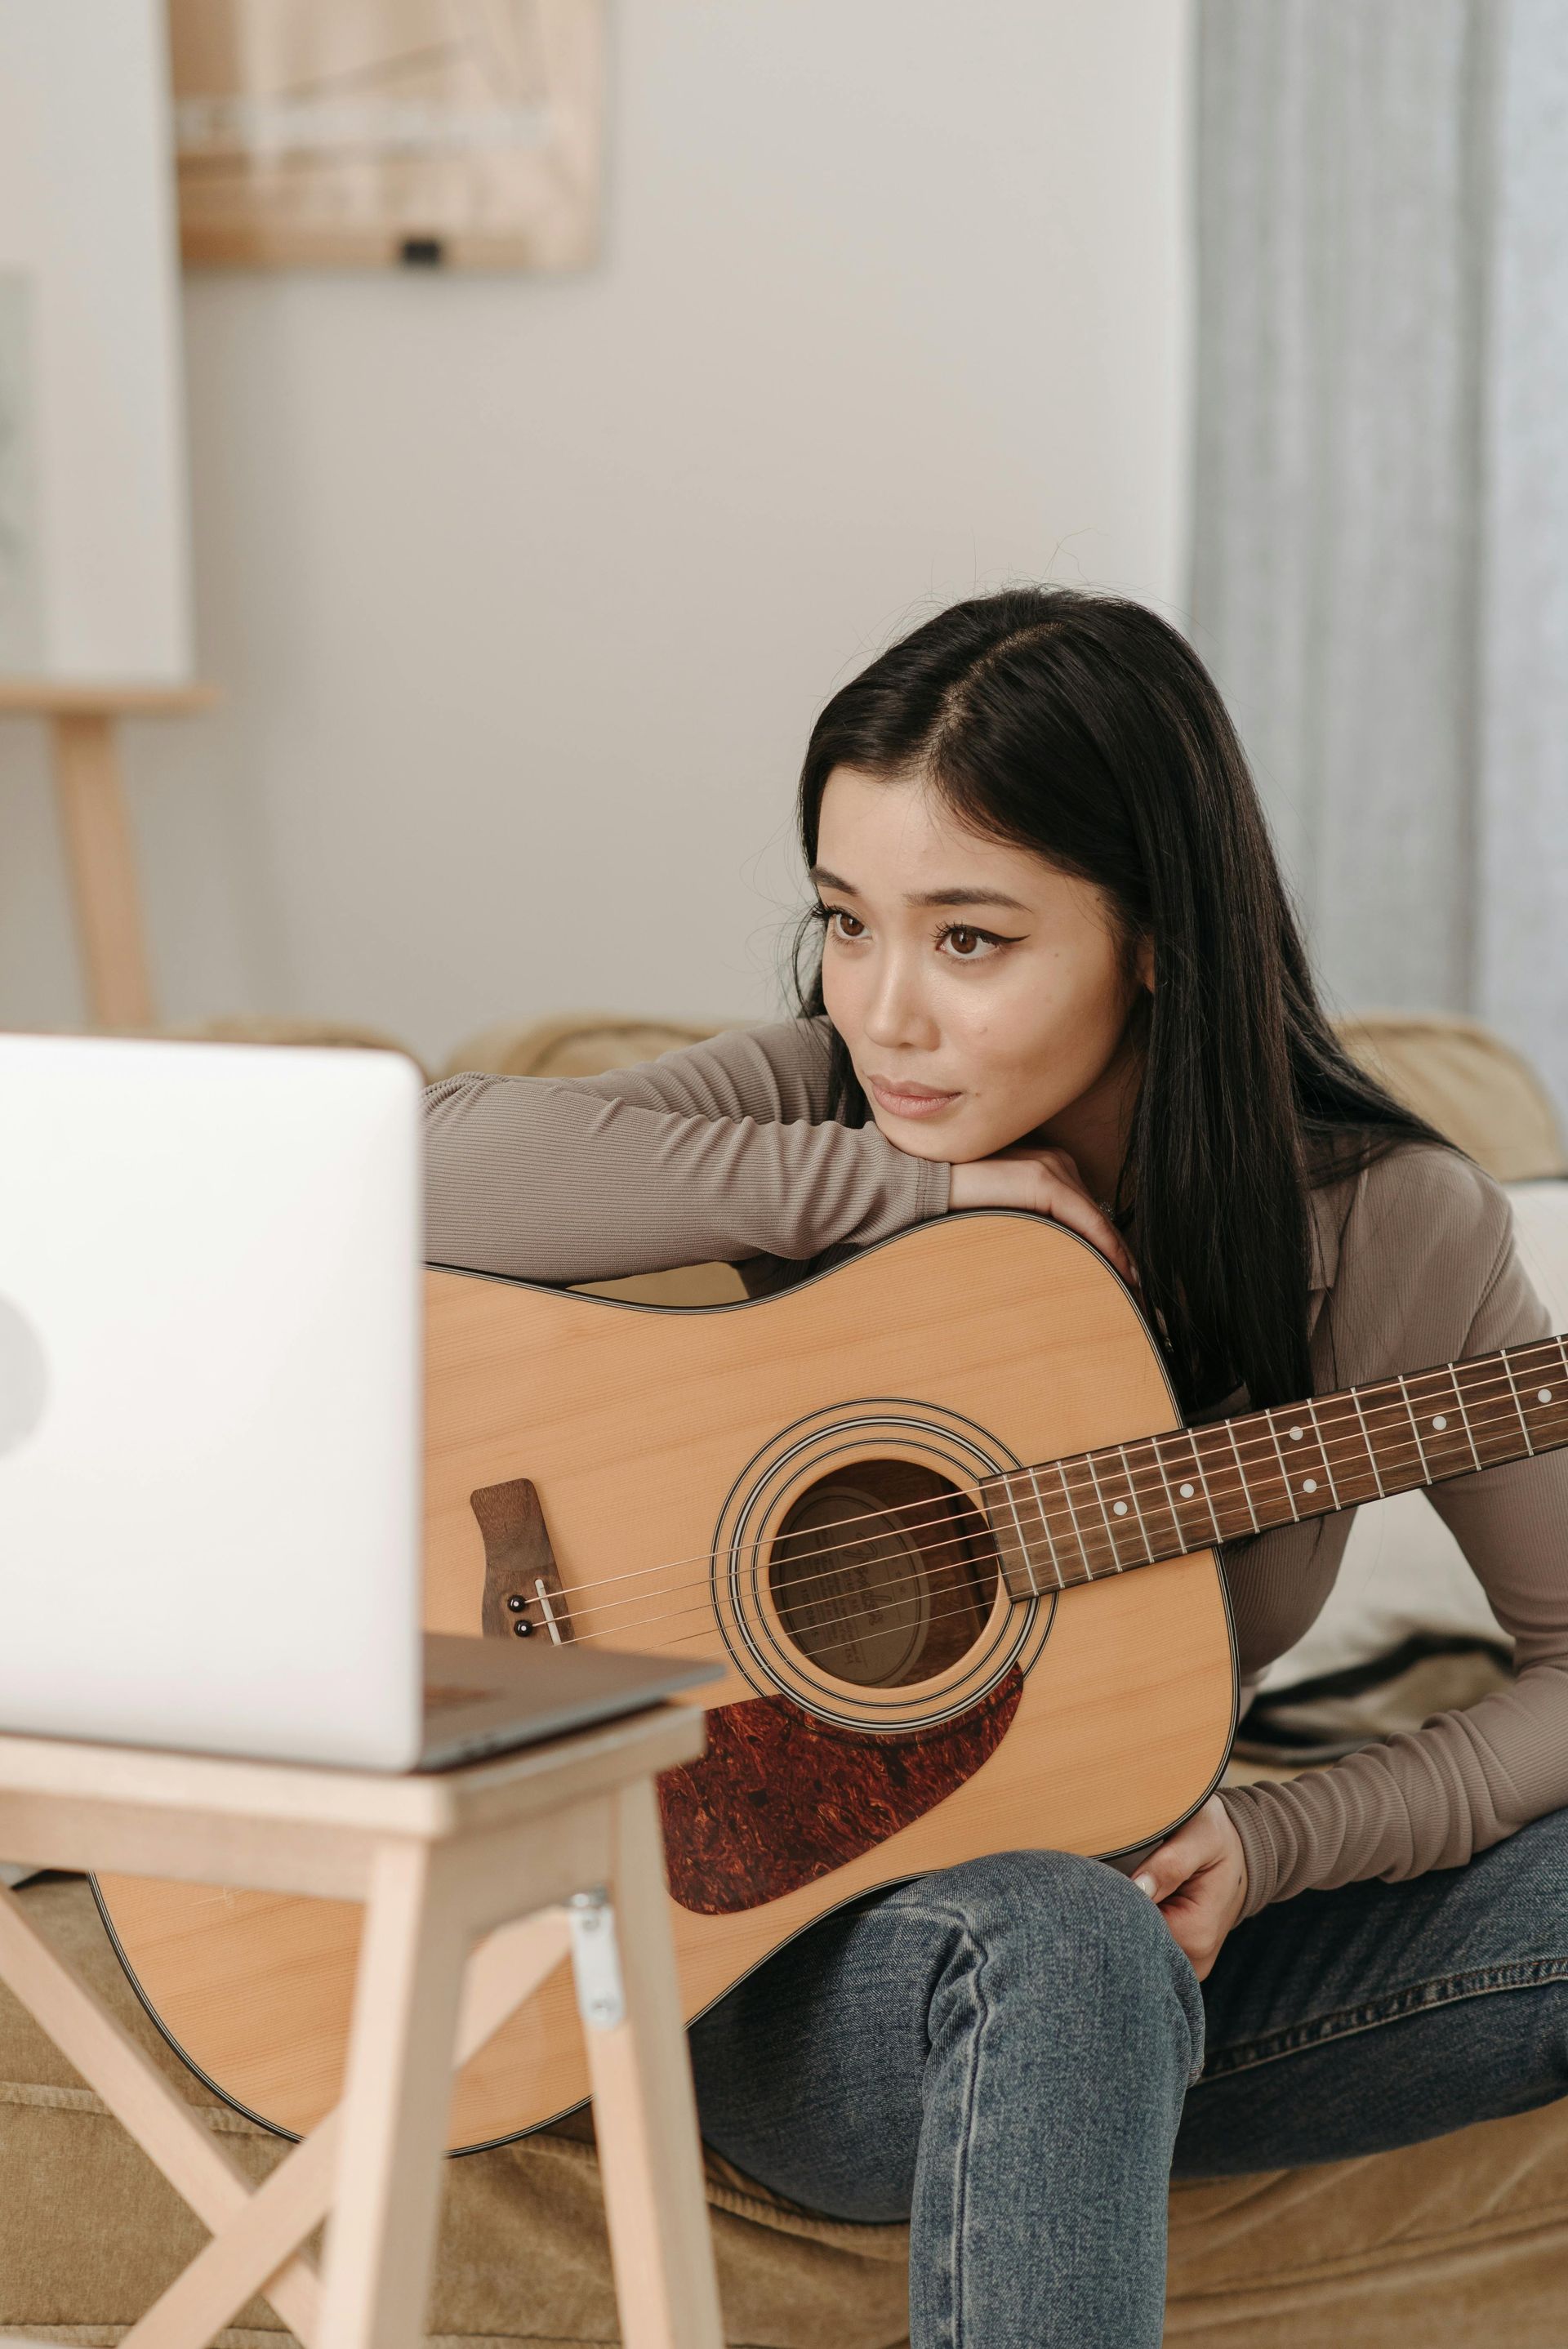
(211, 1419)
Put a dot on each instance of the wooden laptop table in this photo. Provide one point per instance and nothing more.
(476, 1881)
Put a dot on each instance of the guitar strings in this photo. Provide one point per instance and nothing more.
(815, 1654)
(925, 1553)
(1143, 1481)
(1061, 1519)
(930, 1551)
(1268, 1443)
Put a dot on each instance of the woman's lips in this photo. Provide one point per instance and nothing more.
(916, 1101)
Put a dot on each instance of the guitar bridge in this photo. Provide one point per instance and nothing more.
(524, 1596)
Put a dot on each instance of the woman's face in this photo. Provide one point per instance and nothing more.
(982, 994)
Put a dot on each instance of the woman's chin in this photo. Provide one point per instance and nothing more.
(943, 1139)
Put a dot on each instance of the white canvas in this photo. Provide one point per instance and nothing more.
(86, 216)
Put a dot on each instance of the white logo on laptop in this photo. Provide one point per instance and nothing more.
(24, 1379)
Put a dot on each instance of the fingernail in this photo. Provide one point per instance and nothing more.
(1145, 1884)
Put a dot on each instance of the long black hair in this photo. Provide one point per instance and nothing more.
(1084, 728)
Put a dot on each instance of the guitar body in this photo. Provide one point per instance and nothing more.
(888, 1708)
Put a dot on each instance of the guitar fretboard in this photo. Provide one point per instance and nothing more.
(1099, 1512)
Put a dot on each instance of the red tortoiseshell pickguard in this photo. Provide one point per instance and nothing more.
(780, 1799)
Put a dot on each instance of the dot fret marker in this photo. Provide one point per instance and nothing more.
(1309, 1485)
(1439, 1422)
(1119, 1508)
(1543, 1394)
(1296, 1434)
(1185, 1491)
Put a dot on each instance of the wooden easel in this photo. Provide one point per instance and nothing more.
(89, 793)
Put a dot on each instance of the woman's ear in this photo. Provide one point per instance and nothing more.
(1146, 962)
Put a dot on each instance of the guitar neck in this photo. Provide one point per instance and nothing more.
(1098, 1512)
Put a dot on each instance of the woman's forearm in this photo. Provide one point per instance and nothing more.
(546, 1179)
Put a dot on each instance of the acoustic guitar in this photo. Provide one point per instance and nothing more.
(935, 1512)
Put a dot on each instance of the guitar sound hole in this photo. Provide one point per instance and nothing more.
(882, 1573)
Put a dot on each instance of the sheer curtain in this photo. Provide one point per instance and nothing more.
(1380, 540)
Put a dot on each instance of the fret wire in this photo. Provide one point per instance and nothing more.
(1490, 1402)
(1204, 1480)
(1439, 1376)
(1367, 1440)
(1380, 1444)
(1177, 1527)
(1023, 1545)
(1414, 1430)
(1127, 1471)
(1464, 1414)
(1105, 1513)
(1072, 1511)
(1241, 1472)
(1323, 1451)
(1046, 1529)
(1284, 1472)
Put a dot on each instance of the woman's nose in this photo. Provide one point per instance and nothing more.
(896, 1014)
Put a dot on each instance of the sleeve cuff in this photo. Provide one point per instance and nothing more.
(934, 1188)
(1251, 1824)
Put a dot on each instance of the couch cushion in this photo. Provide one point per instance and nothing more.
(577, 1044)
(1450, 2244)
(1465, 1080)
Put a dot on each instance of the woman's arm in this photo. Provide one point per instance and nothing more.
(1438, 1279)
(723, 1150)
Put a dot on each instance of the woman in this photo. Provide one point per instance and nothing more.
(1058, 972)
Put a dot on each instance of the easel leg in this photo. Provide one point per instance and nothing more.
(398, 2092)
(650, 2157)
(98, 851)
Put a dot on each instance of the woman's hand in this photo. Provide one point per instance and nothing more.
(1045, 1182)
(1198, 1878)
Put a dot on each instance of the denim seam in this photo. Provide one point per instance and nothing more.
(956, 1918)
(1416, 1998)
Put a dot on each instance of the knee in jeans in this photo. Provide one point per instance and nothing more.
(1064, 1915)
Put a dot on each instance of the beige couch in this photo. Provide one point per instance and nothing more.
(1448, 2245)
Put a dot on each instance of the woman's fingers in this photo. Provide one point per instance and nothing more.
(1066, 1204)
(1198, 1880)
(1045, 1182)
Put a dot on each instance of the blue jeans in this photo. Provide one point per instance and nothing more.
(1014, 2056)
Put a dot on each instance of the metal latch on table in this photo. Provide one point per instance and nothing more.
(596, 1960)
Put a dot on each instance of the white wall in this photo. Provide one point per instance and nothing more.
(524, 592)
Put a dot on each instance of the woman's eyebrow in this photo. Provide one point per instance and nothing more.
(826, 880)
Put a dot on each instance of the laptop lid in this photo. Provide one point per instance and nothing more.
(209, 1397)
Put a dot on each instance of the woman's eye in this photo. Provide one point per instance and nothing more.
(967, 944)
(850, 925)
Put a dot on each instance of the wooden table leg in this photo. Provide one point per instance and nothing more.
(397, 2096)
(650, 2156)
(280, 2213)
(195, 2162)
(102, 864)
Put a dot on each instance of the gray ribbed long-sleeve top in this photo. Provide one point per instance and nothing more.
(726, 1150)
